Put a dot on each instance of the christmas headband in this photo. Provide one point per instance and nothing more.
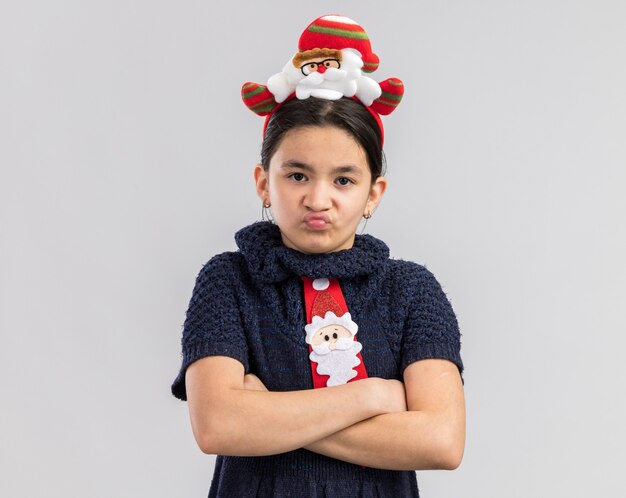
(333, 53)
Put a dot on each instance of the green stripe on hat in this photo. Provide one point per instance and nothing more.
(252, 93)
(390, 103)
(264, 110)
(263, 103)
(358, 35)
(391, 96)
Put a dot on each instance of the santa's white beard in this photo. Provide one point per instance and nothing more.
(338, 363)
(332, 84)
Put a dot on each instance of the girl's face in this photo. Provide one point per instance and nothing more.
(319, 185)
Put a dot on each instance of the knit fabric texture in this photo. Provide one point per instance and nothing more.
(248, 305)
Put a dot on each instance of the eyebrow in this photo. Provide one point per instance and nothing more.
(348, 168)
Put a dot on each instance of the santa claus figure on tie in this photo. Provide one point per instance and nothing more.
(335, 348)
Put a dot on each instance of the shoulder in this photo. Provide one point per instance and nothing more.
(223, 274)
(431, 329)
(221, 267)
(413, 286)
(402, 268)
(411, 277)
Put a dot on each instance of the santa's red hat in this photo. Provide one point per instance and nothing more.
(339, 32)
(324, 301)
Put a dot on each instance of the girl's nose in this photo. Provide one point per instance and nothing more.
(318, 197)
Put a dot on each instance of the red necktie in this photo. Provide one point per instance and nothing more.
(334, 350)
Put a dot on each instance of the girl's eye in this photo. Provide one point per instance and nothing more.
(343, 181)
(298, 177)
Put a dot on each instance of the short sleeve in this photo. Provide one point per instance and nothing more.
(213, 325)
(431, 329)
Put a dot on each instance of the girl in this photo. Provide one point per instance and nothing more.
(313, 364)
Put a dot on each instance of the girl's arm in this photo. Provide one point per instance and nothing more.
(228, 419)
(431, 435)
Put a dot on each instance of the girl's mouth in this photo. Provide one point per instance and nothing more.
(316, 221)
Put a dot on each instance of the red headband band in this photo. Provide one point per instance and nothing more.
(375, 115)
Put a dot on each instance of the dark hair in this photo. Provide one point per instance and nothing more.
(344, 113)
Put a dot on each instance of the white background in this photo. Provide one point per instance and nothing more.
(126, 162)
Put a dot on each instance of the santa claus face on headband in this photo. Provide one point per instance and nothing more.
(317, 60)
(324, 73)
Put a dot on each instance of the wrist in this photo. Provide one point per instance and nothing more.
(373, 396)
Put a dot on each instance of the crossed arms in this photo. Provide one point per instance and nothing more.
(385, 424)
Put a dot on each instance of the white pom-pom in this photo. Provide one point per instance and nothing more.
(320, 284)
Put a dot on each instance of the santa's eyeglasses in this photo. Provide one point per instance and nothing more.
(311, 67)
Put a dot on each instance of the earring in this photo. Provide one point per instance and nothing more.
(366, 217)
(266, 214)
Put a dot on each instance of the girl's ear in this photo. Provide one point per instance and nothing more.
(376, 194)
(262, 184)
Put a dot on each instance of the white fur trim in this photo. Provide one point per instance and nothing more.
(279, 86)
(367, 90)
(353, 57)
(342, 19)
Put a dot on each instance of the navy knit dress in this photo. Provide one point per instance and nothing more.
(249, 305)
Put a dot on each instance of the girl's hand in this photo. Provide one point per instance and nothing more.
(252, 383)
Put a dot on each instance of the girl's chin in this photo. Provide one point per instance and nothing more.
(316, 242)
